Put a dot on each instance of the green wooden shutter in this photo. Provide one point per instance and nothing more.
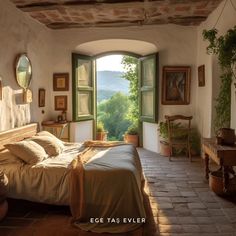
(83, 87)
(148, 88)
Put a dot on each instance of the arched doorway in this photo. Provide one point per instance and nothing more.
(83, 97)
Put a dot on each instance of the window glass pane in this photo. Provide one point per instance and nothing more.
(147, 103)
(84, 103)
(148, 74)
(83, 73)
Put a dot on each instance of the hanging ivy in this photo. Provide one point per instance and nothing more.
(225, 48)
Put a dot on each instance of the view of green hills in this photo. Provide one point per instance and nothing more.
(109, 83)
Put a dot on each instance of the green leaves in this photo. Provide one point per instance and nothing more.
(113, 114)
(225, 48)
(131, 74)
(223, 106)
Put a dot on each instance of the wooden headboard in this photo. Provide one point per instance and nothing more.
(17, 134)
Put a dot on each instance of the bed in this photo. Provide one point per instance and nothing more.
(101, 182)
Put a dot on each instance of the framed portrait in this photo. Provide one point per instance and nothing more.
(61, 81)
(42, 94)
(201, 76)
(60, 103)
(176, 85)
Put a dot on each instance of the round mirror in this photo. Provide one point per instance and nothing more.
(23, 71)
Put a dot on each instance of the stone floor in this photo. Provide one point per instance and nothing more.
(179, 203)
(182, 203)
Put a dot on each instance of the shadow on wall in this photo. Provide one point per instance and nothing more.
(12, 113)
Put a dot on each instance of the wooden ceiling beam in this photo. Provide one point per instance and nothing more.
(136, 23)
(84, 5)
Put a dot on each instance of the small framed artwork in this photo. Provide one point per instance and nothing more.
(42, 94)
(61, 81)
(176, 85)
(60, 103)
(201, 76)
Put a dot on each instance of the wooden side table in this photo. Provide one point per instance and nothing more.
(224, 156)
(54, 127)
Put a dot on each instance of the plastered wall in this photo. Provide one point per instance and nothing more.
(205, 96)
(20, 34)
(50, 52)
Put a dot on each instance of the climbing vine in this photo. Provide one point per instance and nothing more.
(225, 48)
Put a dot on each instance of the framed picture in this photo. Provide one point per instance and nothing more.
(60, 103)
(61, 81)
(176, 85)
(201, 76)
(42, 93)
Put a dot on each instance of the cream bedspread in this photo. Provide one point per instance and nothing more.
(108, 186)
(46, 182)
(112, 191)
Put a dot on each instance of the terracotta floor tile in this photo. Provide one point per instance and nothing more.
(180, 204)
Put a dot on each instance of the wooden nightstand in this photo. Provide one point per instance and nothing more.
(60, 130)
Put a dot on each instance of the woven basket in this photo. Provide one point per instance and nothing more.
(216, 183)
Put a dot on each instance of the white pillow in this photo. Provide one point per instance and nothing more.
(46, 133)
(28, 151)
(7, 158)
(50, 145)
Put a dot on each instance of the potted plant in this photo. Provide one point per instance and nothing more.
(101, 133)
(131, 135)
(163, 133)
(164, 146)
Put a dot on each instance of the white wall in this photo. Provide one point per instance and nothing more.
(50, 52)
(81, 131)
(205, 96)
(20, 34)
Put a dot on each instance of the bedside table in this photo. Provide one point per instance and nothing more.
(57, 129)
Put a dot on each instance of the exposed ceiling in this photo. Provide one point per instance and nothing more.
(62, 14)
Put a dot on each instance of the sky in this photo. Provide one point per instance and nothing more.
(111, 63)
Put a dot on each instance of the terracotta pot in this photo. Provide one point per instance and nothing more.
(164, 149)
(101, 136)
(132, 139)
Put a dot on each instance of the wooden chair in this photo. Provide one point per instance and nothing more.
(179, 133)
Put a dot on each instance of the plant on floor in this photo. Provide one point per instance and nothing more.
(131, 135)
(100, 135)
(194, 137)
(100, 127)
(225, 48)
(133, 129)
(163, 130)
